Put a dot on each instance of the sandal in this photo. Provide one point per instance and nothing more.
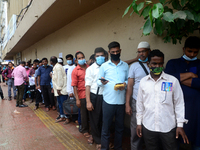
(67, 121)
(60, 120)
(86, 134)
(90, 140)
(111, 146)
(98, 147)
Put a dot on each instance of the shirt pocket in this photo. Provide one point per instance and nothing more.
(165, 97)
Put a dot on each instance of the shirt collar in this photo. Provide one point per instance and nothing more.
(110, 62)
(163, 76)
(79, 67)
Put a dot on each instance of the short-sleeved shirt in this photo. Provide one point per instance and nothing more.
(43, 72)
(137, 72)
(78, 80)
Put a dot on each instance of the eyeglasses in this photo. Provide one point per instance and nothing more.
(144, 51)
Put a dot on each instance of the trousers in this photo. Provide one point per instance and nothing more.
(84, 116)
(48, 97)
(20, 90)
(10, 83)
(96, 117)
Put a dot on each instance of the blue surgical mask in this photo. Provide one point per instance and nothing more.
(189, 59)
(37, 65)
(100, 60)
(81, 62)
(69, 62)
(26, 67)
(143, 60)
(45, 65)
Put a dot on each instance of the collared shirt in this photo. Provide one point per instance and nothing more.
(43, 72)
(70, 89)
(59, 80)
(137, 73)
(8, 72)
(114, 74)
(160, 104)
(91, 77)
(78, 80)
(19, 74)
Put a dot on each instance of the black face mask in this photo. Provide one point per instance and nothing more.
(115, 57)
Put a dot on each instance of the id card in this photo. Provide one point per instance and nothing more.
(167, 86)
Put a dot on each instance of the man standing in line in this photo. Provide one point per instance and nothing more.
(137, 71)
(38, 95)
(59, 80)
(187, 70)
(78, 83)
(20, 75)
(7, 74)
(68, 70)
(44, 80)
(115, 73)
(94, 96)
(160, 107)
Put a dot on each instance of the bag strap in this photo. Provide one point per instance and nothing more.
(144, 68)
(97, 94)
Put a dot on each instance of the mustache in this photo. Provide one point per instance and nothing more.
(142, 56)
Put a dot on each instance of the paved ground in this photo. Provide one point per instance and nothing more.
(37, 130)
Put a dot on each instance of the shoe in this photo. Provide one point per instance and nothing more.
(58, 117)
(80, 128)
(67, 121)
(54, 108)
(32, 100)
(59, 120)
(15, 97)
(10, 99)
(36, 107)
(23, 105)
(17, 105)
(47, 109)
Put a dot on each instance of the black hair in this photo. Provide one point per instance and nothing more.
(79, 52)
(192, 42)
(92, 57)
(113, 45)
(36, 61)
(44, 59)
(22, 63)
(28, 63)
(10, 62)
(54, 59)
(40, 61)
(155, 52)
(69, 55)
(99, 50)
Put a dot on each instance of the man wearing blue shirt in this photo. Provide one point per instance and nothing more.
(114, 72)
(44, 80)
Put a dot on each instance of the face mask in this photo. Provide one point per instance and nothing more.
(81, 62)
(37, 65)
(100, 60)
(45, 65)
(69, 62)
(143, 60)
(115, 57)
(189, 59)
(26, 67)
(156, 70)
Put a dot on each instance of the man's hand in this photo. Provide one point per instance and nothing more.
(90, 106)
(78, 103)
(180, 131)
(139, 131)
(38, 87)
(58, 91)
(71, 95)
(104, 82)
(122, 88)
(6, 78)
(193, 75)
(128, 110)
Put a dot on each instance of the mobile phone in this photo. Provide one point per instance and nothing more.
(104, 80)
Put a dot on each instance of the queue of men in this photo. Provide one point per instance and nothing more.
(163, 103)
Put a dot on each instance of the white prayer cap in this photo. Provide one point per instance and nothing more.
(143, 45)
(60, 60)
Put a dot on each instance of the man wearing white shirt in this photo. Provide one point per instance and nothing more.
(160, 107)
(137, 71)
(59, 80)
(94, 96)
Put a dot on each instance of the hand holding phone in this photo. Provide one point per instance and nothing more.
(103, 81)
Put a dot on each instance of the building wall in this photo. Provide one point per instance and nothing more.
(98, 28)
